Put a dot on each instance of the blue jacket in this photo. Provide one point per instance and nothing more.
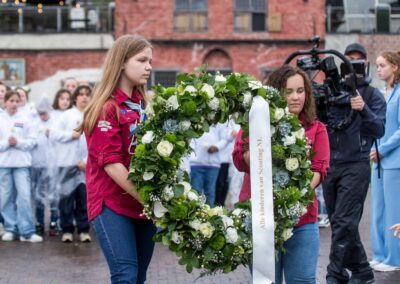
(353, 144)
(389, 144)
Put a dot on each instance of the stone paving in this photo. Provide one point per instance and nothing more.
(53, 262)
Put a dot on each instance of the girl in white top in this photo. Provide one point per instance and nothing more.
(24, 106)
(16, 142)
(62, 102)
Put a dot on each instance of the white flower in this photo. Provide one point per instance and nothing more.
(184, 125)
(159, 209)
(148, 175)
(303, 210)
(195, 224)
(148, 137)
(211, 115)
(235, 115)
(164, 148)
(220, 78)
(304, 191)
(172, 103)
(206, 229)
(273, 130)
(286, 234)
(279, 113)
(167, 193)
(299, 134)
(150, 111)
(213, 104)
(254, 85)
(228, 222)
(289, 140)
(191, 89)
(247, 99)
(186, 187)
(292, 164)
(218, 210)
(287, 112)
(237, 211)
(192, 196)
(176, 237)
(209, 90)
(231, 235)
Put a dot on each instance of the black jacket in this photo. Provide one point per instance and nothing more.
(353, 143)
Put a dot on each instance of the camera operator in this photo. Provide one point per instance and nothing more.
(346, 185)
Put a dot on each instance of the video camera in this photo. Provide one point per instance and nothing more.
(332, 97)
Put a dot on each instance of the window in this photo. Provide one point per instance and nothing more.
(165, 78)
(250, 15)
(190, 15)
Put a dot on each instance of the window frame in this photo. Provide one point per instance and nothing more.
(250, 11)
(191, 12)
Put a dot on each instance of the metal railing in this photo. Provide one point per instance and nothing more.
(56, 19)
(337, 21)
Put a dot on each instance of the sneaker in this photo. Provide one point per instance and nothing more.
(40, 229)
(324, 223)
(382, 267)
(332, 280)
(8, 237)
(361, 281)
(374, 263)
(67, 238)
(53, 229)
(85, 237)
(32, 239)
(1, 229)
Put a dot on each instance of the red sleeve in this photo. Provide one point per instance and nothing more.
(237, 154)
(106, 140)
(320, 161)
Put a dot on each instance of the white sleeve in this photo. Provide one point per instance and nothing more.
(29, 141)
(58, 132)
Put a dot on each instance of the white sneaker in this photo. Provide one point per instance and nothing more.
(1, 229)
(32, 239)
(85, 238)
(385, 267)
(67, 238)
(374, 263)
(8, 237)
(324, 223)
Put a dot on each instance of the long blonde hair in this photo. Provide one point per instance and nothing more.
(123, 48)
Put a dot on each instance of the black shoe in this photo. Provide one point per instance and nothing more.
(361, 281)
(40, 229)
(332, 280)
(53, 229)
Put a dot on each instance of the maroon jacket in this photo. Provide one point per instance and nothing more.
(318, 137)
(109, 143)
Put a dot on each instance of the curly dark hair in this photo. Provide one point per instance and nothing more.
(78, 89)
(56, 104)
(278, 80)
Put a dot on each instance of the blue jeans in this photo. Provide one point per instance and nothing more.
(126, 244)
(205, 179)
(15, 191)
(299, 262)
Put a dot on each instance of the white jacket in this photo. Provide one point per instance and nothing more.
(69, 151)
(43, 153)
(19, 126)
(226, 153)
(215, 137)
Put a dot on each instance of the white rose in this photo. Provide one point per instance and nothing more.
(216, 211)
(148, 175)
(195, 224)
(220, 78)
(299, 134)
(228, 222)
(172, 103)
(159, 209)
(211, 115)
(287, 233)
(186, 187)
(168, 193)
(209, 90)
(164, 148)
(206, 229)
(254, 85)
(303, 210)
(213, 103)
(279, 113)
(237, 211)
(287, 112)
(184, 125)
(148, 137)
(289, 140)
(191, 89)
(176, 237)
(231, 235)
(292, 164)
(150, 111)
(247, 99)
(273, 130)
(304, 191)
(192, 196)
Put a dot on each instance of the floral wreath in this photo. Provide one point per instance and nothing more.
(214, 239)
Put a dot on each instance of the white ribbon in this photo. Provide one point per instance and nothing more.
(261, 193)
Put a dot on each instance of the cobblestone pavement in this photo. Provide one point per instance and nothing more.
(53, 262)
